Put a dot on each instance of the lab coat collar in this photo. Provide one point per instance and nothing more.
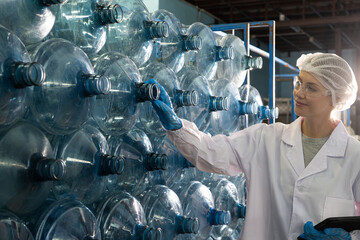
(335, 146)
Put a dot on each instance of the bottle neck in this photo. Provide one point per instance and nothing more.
(50, 169)
(224, 53)
(144, 232)
(156, 161)
(219, 103)
(187, 224)
(110, 164)
(274, 113)
(109, 14)
(240, 210)
(158, 29)
(218, 217)
(147, 92)
(96, 85)
(192, 42)
(253, 62)
(263, 112)
(247, 108)
(186, 98)
(27, 74)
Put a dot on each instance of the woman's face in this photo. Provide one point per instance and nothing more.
(311, 98)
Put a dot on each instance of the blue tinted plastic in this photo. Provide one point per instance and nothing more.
(90, 171)
(12, 228)
(121, 216)
(163, 210)
(27, 165)
(84, 22)
(62, 104)
(116, 112)
(30, 20)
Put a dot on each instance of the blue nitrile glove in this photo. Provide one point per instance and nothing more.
(165, 110)
(310, 233)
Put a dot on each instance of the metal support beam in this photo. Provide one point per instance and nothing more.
(320, 21)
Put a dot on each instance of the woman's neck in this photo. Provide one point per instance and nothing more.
(317, 127)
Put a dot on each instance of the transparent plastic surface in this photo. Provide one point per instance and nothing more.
(30, 20)
(84, 22)
(163, 210)
(12, 228)
(227, 122)
(24, 181)
(201, 113)
(121, 216)
(62, 104)
(90, 170)
(205, 60)
(116, 112)
(140, 160)
(134, 36)
(179, 98)
(66, 219)
(235, 69)
(17, 78)
(197, 201)
(171, 50)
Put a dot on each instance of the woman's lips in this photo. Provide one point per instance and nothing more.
(300, 104)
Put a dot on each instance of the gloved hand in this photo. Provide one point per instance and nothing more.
(311, 233)
(165, 110)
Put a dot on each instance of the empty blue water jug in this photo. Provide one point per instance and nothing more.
(205, 59)
(240, 183)
(197, 201)
(235, 69)
(116, 112)
(90, 169)
(134, 36)
(85, 22)
(121, 216)
(201, 113)
(18, 75)
(227, 122)
(163, 210)
(30, 20)
(179, 98)
(140, 160)
(63, 103)
(27, 168)
(171, 50)
(65, 219)
(12, 228)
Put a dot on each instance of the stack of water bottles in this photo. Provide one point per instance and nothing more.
(83, 154)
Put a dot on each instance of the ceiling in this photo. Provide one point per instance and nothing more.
(305, 25)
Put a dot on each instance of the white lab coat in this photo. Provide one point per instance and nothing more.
(282, 194)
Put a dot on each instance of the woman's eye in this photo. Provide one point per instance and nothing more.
(311, 89)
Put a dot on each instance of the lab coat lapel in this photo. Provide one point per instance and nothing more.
(293, 148)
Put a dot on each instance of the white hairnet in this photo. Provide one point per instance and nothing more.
(335, 74)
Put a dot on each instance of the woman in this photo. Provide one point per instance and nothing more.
(305, 171)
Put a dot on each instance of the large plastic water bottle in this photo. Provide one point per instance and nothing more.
(90, 170)
(250, 94)
(227, 122)
(30, 20)
(197, 201)
(201, 113)
(121, 216)
(116, 112)
(134, 36)
(171, 50)
(12, 228)
(235, 69)
(140, 160)
(205, 60)
(27, 168)
(163, 210)
(65, 219)
(62, 104)
(18, 75)
(85, 22)
(179, 98)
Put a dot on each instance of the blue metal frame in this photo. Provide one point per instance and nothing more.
(246, 28)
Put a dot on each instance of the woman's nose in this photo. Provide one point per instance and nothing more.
(299, 93)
